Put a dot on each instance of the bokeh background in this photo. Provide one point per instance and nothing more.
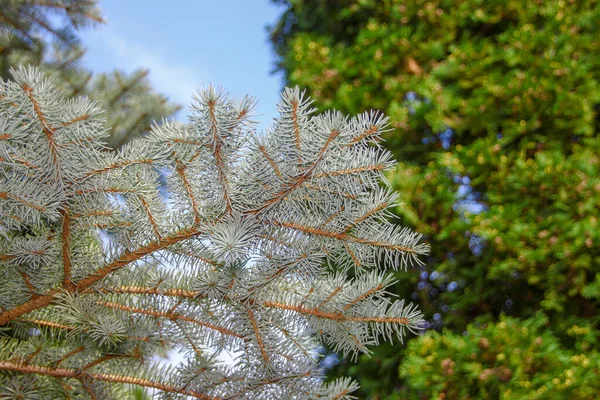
(495, 107)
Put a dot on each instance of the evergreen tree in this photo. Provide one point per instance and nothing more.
(249, 255)
(27, 25)
(29, 34)
(496, 108)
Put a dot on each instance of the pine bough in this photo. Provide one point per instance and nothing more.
(201, 238)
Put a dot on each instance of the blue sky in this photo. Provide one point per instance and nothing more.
(187, 44)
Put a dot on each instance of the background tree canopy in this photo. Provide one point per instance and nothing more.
(44, 33)
(496, 105)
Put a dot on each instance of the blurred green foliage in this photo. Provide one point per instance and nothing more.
(510, 359)
(496, 108)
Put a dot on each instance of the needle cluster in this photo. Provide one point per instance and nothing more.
(206, 238)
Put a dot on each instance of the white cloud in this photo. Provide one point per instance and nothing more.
(178, 82)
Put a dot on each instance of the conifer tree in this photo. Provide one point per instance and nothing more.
(30, 34)
(248, 256)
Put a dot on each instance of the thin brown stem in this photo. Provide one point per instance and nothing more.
(126, 259)
(335, 316)
(66, 251)
(171, 316)
(258, 335)
(214, 127)
(81, 375)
